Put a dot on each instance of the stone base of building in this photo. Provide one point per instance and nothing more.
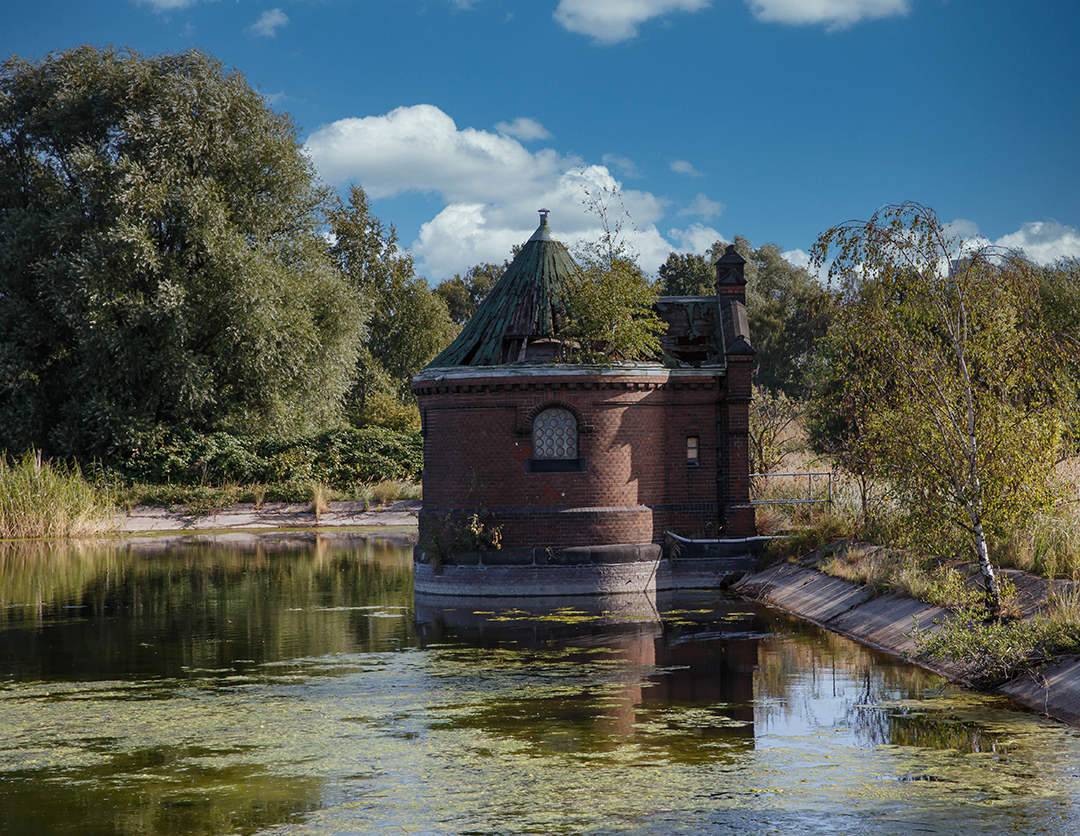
(586, 570)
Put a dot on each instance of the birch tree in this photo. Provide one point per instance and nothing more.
(958, 380)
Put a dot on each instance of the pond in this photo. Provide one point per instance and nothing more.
(294, 686)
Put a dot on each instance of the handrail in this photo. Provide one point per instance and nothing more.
(811, 478)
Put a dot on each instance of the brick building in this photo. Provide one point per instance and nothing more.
(582, 470)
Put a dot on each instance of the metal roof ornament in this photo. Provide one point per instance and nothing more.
(543, 232)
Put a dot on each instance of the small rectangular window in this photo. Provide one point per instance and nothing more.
(692, 451)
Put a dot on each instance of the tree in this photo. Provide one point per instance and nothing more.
(956, 389)
(409, 323)
(610, 301)
(1059, 289)
(788, 311)
(463, 294)
(160, 258)
(687, 274)
(773, 416)
(787, 308)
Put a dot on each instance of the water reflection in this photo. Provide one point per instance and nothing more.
(298, 687)
(104, 612)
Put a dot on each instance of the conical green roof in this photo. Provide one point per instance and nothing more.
(524, 306)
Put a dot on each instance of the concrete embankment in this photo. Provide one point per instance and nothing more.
(885, 623)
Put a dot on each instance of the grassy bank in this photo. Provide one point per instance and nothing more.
(41, 499)
(197, 474)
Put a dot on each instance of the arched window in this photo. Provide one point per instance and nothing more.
(555, 435)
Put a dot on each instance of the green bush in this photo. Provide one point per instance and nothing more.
(338, 458)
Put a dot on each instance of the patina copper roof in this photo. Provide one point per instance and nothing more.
(523, 310)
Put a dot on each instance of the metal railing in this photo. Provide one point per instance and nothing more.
(828, 477)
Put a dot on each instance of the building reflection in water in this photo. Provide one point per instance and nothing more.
(639, 656)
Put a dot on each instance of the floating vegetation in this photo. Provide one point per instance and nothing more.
(304, 699)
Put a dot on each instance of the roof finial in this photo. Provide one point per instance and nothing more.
(543, 216)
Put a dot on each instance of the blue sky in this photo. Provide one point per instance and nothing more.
(772, 119)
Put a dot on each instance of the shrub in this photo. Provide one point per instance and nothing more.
(338, 458)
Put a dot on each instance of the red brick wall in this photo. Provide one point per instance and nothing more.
(632, 433)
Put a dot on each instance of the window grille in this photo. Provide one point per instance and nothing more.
(555, 434)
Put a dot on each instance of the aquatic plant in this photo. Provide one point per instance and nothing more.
(40, 498)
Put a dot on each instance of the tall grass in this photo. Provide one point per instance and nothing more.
(42, 499)
(1049, 545)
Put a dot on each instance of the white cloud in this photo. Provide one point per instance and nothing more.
(703, 207)
(419, 148)
(963, 228)
(1044, 241)
(490, 183)
(798, 258)
(626, 166)
(611, 21)
(696, 238)
(523, 128)
(267, 25)
(684, 167)
(837, 14)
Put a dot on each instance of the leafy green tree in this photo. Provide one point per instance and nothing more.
(610, 301)
(160, 258)
(687, 274)
(787, 308)
(463, 294)
(956, 389)
(409, 323)
(1059, 289)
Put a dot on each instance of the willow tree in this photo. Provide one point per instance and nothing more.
(161, 258)
(956, 385)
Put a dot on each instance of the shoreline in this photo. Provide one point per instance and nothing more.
(154, 527)
(155, 519)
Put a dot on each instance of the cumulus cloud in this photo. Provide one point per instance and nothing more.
(684, 167)
(836, 14)
(1044, 241)
(798, 258)
(523, 128)
(491, 186)
(268, 24)
(702, 207)
(612, 21)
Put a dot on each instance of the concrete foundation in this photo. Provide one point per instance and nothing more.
(586, 570)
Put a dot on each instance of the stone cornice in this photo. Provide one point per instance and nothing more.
(562, 378)
(511, 378)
